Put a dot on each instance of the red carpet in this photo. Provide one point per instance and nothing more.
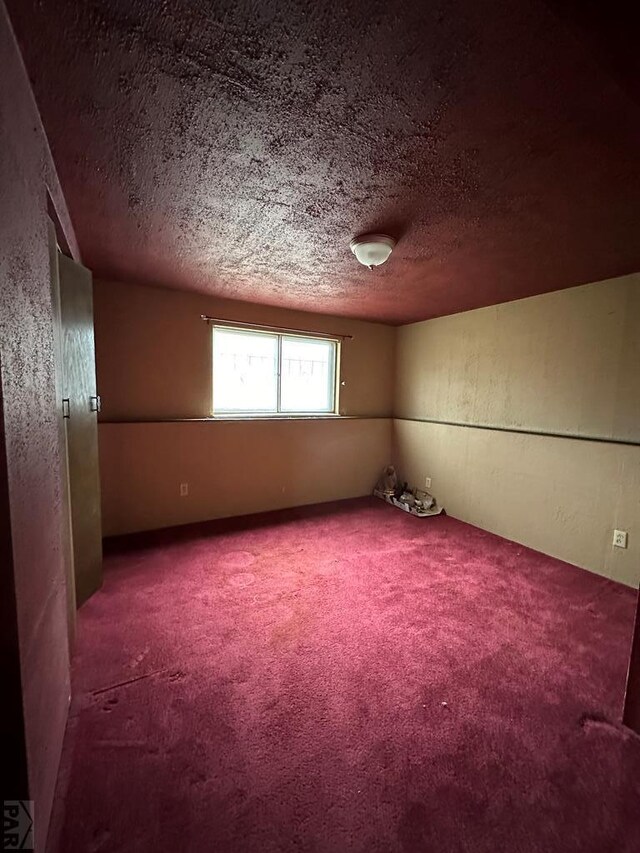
(348, 678)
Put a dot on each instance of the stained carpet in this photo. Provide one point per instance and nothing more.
(348, 678)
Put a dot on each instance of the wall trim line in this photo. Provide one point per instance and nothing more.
(250, 419)
(524, 431)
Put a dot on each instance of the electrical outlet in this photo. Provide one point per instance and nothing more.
(620, 538)
(427, 482)
(184, 490)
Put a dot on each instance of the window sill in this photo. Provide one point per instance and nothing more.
(327, 416)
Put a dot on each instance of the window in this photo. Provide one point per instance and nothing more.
(264, 373)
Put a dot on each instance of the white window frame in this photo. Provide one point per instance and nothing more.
(280, 336)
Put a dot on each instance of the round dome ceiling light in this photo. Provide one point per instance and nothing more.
(372, 249)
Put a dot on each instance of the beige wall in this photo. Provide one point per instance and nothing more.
(565, 362)
(153, 357)
(153, 352)
(233, 467)
(562, 362)
(563, 497)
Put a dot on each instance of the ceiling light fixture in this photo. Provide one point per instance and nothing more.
(372, 249)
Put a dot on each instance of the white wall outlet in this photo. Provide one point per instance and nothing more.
(620, 538)
(427, 482)
(184, 490)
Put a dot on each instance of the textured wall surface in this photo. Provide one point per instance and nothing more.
(31, 422)
(563, 497)
(154, 356)
(233, 468)
(234, 148)
(565, 362)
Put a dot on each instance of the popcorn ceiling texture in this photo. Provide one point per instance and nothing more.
(235, 148)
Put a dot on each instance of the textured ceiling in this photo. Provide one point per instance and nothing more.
(236, 147)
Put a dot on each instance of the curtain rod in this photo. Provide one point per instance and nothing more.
(265, 327)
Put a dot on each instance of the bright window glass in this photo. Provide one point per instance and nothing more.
(264, 373)
(245, 371)
(307, 375)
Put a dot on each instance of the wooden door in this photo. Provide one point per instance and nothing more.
(66, 535)
(81, 405)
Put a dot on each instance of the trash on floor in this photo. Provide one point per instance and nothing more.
(414, 501)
